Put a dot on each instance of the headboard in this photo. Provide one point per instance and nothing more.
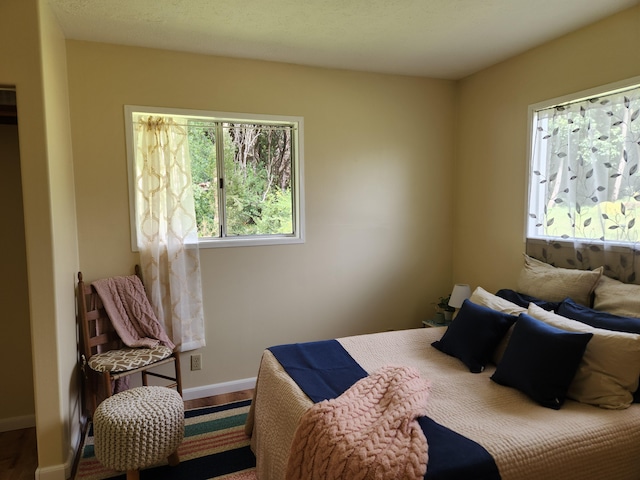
(619, 262)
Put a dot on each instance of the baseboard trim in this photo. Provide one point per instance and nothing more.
(17, 423)
(54, 472)
(218, 388)
(65, 470)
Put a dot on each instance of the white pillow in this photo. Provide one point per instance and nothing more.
(609, 370)
(618, 298)
(554, 284)
(481, 297)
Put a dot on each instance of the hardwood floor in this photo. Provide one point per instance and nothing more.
(18, 455)
(18, 452)
(218, 399)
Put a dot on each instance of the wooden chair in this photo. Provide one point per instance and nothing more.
(106, 359)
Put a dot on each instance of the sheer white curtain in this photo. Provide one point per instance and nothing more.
(584, 198)
(166, 228)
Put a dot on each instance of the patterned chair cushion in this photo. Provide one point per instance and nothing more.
(128, 358)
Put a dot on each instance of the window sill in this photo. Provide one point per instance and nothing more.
(248, 242)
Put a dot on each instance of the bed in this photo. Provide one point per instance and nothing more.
(576, 440)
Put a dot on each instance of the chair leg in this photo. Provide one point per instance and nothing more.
(176, 356)
(133, 474)
(108, 390)
(92, 392)
(174, 459)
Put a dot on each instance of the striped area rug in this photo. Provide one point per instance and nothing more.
(214, 447)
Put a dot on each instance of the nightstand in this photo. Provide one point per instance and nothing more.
(432, 323)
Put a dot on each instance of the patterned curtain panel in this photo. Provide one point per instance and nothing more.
(584, 201)
(166, 229)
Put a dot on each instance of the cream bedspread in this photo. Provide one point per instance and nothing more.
(526, 440)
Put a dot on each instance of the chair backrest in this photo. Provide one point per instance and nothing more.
(98, 334)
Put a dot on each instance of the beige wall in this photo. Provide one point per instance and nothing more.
(378, 163)
(14, 297)
(491, 165)
(32, 59)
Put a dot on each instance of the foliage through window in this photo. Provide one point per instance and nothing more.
(246, 175)
(584, 181)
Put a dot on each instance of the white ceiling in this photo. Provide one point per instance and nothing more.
(434, 38)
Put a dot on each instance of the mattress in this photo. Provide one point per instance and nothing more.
(527, 441)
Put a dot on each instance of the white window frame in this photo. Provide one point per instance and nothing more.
(297, 175)
(531, 117)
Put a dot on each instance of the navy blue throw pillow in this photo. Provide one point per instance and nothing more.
(597, 318)
(474, 334)
(541, 360)
(523, 300)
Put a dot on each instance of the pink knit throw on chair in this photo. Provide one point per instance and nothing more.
(130, 312)
(369, 432)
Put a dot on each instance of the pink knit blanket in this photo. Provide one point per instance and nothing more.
(130, 312)
(369, 432)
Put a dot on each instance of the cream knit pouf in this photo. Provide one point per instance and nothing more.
(138, 428)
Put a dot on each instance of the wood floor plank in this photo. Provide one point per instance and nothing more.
(219, 399)
(18, 454)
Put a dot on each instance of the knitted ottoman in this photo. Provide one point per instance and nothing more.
(137, 428)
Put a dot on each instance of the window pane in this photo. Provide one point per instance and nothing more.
(202, 148)
(246, 176)
(585, 182)
(258, 193)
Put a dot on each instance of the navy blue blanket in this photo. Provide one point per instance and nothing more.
(324, 370)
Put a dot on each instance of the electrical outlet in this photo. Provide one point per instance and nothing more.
(196, 361)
